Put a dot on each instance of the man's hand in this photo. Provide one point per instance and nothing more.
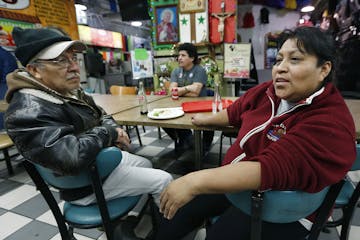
(122, 141)
(176, 195)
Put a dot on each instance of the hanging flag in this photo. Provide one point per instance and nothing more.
(194, 27)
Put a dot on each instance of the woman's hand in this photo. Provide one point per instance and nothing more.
(198, 119)
(218, 119)
(176, 194)
(123, 140)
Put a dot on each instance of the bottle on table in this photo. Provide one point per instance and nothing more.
(174, 94)
(142, 99)
(216, 104)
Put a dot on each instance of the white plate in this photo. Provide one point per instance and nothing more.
(165, 113)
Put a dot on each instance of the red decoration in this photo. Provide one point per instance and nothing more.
(203, 106)
(215, 7)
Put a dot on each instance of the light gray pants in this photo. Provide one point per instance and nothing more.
(133, 176)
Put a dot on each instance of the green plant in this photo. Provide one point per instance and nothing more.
(212, 71)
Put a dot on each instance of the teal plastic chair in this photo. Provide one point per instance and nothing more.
(347, 201)
(103, 213)
(285, 207)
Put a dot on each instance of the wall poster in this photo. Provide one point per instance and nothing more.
(237, 60)
(55, 13)
(141, 63)
(167, 25)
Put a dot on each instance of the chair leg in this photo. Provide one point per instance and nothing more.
(71, 233)
(159, 133)
(8, 162)
(155, 216)
(138, 134)
(127, 130)
(348, 212)
(220, 150)
(49, 198)
(143, 127)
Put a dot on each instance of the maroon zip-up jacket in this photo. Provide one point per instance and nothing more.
(307, 148)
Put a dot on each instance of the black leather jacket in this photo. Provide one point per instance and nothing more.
(58, 132)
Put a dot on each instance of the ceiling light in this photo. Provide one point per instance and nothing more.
(80, 7)
(308, 8)
(136, 23)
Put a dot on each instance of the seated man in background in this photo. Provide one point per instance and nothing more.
(55, 124)
(190, 81)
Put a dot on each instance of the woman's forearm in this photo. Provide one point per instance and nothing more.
(230, 178)
(218, 119)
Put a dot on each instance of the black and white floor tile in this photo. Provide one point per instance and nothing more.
(25, 215)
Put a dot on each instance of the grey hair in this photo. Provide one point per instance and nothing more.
(34, 63)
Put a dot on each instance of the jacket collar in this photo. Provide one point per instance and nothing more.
(21, 79)
(306, 101)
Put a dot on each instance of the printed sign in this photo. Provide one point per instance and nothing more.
(237, 60)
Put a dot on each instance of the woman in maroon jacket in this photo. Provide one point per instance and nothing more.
(295, 132)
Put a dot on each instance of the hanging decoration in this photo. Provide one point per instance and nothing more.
(193, 21)
(166, 23)
(156, 8)
(222, 21)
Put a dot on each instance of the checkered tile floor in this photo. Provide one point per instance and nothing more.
(25, 215)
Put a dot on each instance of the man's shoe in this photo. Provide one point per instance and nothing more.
(125, 231)
(187, 143)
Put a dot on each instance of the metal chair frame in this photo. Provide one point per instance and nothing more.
(323, 210)
(347, 201)
(66, 227)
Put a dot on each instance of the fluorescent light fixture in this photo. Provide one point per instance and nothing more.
(80, 7)
(136, 23)
(308, 8)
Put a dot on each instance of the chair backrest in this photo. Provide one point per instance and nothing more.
(122, 90)
(105, 167)
(90, 216)
(356, 165)
(286, 206)
(281, 206)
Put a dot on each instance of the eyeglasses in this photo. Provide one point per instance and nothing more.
(62, 61)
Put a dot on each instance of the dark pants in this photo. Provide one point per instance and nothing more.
(182, 136)
(232, 224)
(178, 134)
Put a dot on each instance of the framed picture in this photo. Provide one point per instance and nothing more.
(167, 25)
(237, 60)
(190, 6)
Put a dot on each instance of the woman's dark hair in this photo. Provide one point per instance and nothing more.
(314, 41)
(191, 51)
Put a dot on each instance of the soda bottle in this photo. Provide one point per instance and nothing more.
(216, 104)
(142, 99)
(174, 94)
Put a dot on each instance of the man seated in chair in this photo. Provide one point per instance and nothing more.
(295, 133)
(55, 124)
(190, 81)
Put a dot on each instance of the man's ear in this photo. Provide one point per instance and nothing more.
(33, 70)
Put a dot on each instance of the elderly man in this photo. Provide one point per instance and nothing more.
(54, 123)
